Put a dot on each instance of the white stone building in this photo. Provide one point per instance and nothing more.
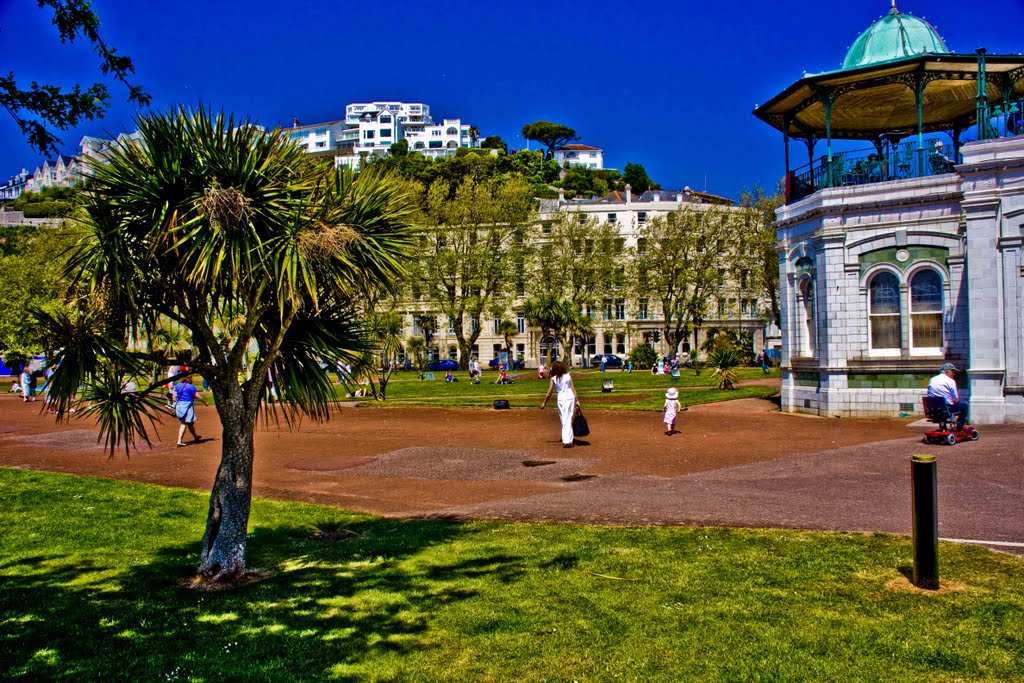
(897, 259)
(580, 155)
(370, 128)
(620, 322)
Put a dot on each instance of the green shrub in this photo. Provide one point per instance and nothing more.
(724, 360)
(54, 209)
(643, 357)
(741, 341)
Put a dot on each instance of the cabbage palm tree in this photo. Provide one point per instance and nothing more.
(208, 218)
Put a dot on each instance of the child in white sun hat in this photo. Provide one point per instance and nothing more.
(672, 408)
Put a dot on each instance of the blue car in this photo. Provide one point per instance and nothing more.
(516, 364)
(610, 361)
(442, 365)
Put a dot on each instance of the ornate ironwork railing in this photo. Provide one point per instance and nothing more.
(1007, 118)
(861, 167)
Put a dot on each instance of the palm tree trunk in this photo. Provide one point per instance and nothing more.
(223, 546)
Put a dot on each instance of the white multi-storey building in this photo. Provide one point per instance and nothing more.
(620, 322)
(319, 137)
(580, 155)
(441, 140)
(370, 128)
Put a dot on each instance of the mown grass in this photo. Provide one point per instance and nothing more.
(91, 590)
(632, 391)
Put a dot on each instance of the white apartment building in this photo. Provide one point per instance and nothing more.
(441, 140)
(580, 155)
(319, 137)
(370, 128)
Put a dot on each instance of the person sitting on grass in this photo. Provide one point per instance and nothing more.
(449, 377)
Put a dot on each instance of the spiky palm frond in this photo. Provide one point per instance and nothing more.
(120, 415)
(234, 235)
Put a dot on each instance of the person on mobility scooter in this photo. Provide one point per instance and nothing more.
(943, 403)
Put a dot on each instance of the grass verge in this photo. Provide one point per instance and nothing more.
(91, 574)
(635, 391)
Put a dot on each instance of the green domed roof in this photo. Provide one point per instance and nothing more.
(894, 36)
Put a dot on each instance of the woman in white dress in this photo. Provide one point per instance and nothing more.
(567, 399)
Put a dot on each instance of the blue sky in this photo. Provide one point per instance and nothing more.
(670, 85)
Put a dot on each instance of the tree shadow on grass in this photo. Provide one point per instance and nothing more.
(324, 604)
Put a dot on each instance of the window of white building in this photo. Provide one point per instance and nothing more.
(809, 341)
(884, 311)
(926, 309)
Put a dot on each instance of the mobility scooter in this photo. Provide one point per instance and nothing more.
(936, 410)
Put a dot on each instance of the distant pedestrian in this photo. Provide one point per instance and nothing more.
(28, 388)
(541, 370)
(185, 396)
(672, 408)
(567, 400)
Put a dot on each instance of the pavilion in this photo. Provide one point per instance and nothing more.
(905, 254)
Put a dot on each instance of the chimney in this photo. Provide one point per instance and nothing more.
(561, 196)
(629, 193)
(679, 197)
(295, 123)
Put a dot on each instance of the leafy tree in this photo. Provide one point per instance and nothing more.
(756, 255)
(416, 348)
(384, 330)
(494, 142)
(399, 149)
(636, 176)
(32, 261)
(551, 135)
(208, 217)
(40, 108)
(507, 329)
(474, 251)
(681, 263)
(474, 134)
(576, 326)
(547, 313)
(582, 262)
(580, 181)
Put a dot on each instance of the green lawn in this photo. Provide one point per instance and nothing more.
(635, 391)
(91, 572)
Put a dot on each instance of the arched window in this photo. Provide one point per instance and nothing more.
(452, 131)
(452, 144)
(926, 309)
(418, 145)
(809, 345)
(885, 311)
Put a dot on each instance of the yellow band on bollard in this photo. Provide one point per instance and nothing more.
(924, 458)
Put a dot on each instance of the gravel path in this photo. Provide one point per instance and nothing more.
(740, 463)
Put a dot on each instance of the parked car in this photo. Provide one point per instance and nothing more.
(442, 365)
(610, 361)
(516, 364)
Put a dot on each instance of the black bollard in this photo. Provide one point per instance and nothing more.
(923, 492)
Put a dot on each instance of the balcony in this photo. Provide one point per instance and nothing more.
(861, 167)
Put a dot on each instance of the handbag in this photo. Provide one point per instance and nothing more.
(579, 423)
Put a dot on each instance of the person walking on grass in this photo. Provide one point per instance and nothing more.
(185, 396)
(567, 400)
(672, 408)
